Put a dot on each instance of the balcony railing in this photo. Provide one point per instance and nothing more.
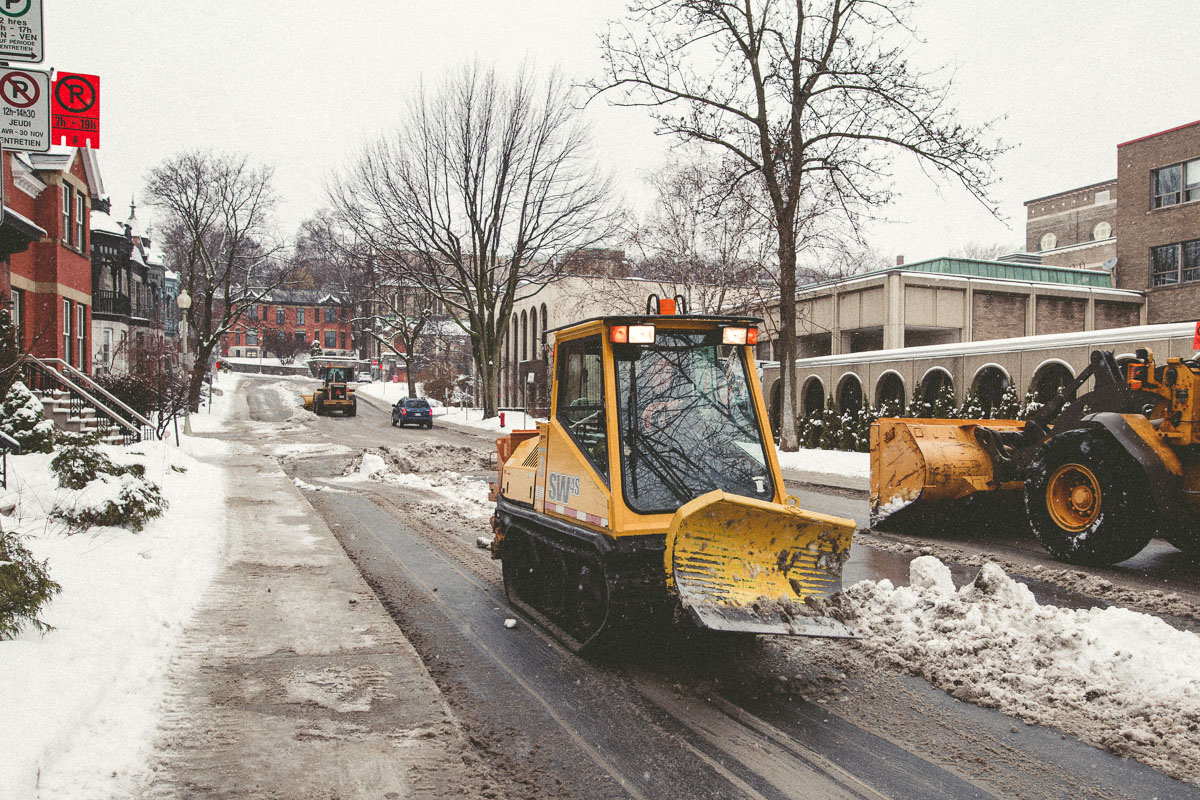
(106, 302)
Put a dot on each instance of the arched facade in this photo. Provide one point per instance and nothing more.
(932, 383)
(889, 391)
(813, 396)
(849, 393)
(524, 336)
(989, 385)
(1049, 379)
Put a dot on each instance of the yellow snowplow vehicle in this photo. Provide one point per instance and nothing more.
(335, 395)
(1118, 465)
(654, 488)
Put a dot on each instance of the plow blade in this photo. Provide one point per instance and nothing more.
(744, 565)
(919, 463)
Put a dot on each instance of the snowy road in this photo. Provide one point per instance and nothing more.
(703, 717)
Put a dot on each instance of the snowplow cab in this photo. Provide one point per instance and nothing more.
(335, 395)
(655, 487)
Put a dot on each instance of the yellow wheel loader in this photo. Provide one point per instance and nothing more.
(335, 395)
(1119, 465)
(654, 491)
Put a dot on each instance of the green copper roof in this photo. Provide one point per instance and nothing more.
(1009, 271)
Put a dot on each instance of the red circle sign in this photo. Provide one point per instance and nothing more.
(19, 89)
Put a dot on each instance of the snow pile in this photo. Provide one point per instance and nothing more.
(1116, 678)
(827, 462)
(461, 493)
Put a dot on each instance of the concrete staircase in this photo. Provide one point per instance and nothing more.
(75, 402)
(57, 406)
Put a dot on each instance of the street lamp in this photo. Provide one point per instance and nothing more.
(184, 301)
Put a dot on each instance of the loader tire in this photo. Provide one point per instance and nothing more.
(1086, 499)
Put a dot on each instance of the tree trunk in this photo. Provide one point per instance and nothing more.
(788, 413)
(197, 379)
(412, 379)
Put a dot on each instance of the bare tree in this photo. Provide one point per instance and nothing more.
(217, 220)
(812, 99)
(476, 197)
(983, 250)
(704, 238)
(399, 318)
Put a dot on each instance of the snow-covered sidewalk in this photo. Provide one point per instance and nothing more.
(84, 699)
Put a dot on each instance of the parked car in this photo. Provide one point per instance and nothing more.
(412, 411)
(364, 377)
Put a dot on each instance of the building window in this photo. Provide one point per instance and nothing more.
(66, 209)
(266, 311)
(252, 338)
(106, 347)
(18, 315)
(80, 338)
(1049, 241)
(279, 316)
(80, 216)
(299, 316)
(1175, 263)
(66, 350)
(301, 342)
(330, 340)
(1191, 261)
(330, 316)
(1178, 183)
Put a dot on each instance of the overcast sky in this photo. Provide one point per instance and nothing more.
(300, 84)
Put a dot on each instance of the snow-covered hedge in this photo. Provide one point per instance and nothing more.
(23, 417)
(101, 492)
(830, 429)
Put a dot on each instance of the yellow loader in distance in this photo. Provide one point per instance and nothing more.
(1099, 475)
(654, 490)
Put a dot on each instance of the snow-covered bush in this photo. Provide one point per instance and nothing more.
(101, 492)
(23, 418)
(830, 429)
(25, 587)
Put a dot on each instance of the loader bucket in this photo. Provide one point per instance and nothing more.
(308, 402)
(919, 463)
(745, 565)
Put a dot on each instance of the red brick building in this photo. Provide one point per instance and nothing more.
(1158, 220)
(45, 236)
(289, 321)
(1144, 226)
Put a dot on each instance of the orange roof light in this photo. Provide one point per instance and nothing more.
(666, 306)
(618, 334)
(752, 336)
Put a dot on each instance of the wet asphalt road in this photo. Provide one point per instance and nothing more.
(685, 716)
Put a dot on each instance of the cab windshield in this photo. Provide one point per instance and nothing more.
(687, 422)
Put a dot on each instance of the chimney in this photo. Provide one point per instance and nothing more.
(899, 261)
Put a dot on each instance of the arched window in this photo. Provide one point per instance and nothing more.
(1050, 380)
(524, 336)
(533, 330)
(989, 386)
(545, 320)
(813, 396)
(850, 393)
(889, 391)
(933, 383)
